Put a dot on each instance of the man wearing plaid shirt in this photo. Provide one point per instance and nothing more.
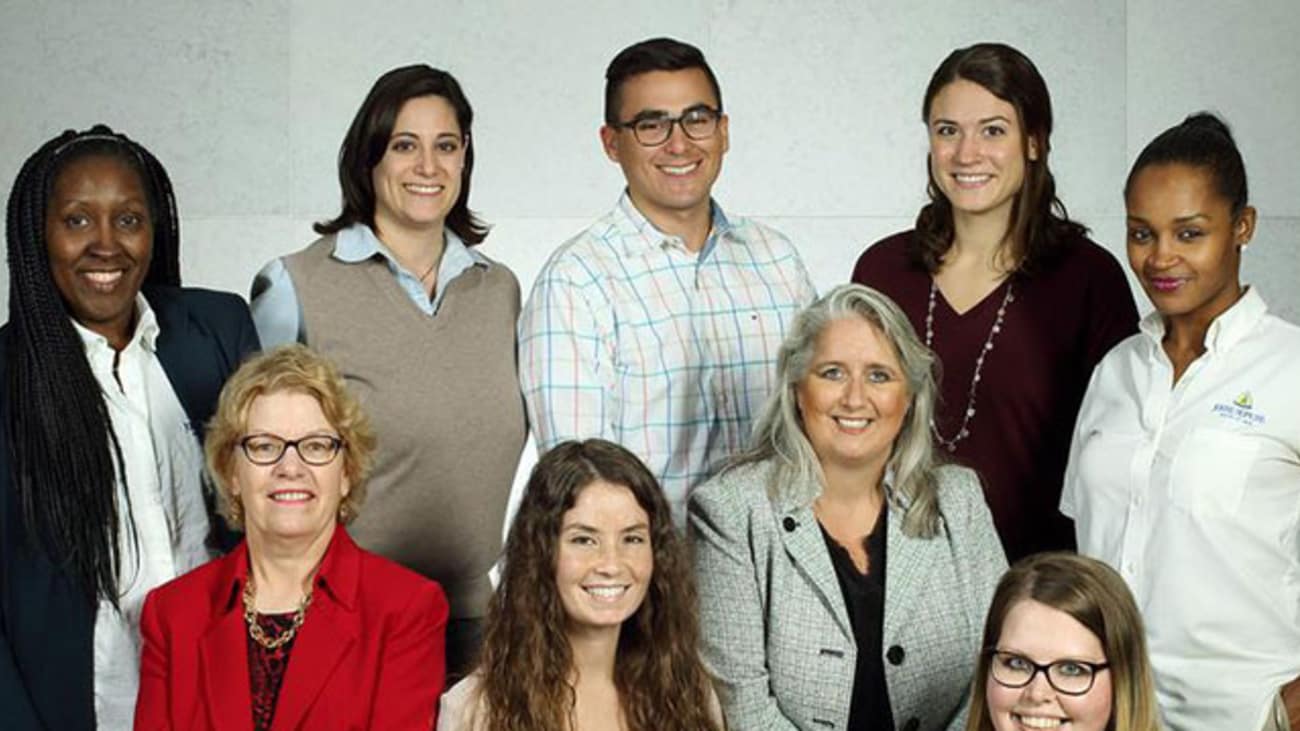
(658, 326)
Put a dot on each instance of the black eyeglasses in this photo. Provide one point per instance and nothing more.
(698, 123)
(1071, 677)
(267, 449)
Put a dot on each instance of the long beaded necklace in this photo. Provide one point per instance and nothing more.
(255, 629)
(964, 431)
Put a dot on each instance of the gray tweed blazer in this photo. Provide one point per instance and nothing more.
(776, 630)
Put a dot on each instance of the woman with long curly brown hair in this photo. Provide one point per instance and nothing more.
(593, 625)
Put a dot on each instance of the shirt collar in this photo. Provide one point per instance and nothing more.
(640, 236)
(338, 575)
(145, 335)
(1226, 329)
(358, 242)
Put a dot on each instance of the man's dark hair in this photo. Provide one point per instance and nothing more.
(655, 54)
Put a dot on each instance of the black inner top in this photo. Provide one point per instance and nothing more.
(864, 597)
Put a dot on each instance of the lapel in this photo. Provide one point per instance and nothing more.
(180, 351)
(327, 636)
(906, 561)
(223, 649)
(191, 356)
(807, 550)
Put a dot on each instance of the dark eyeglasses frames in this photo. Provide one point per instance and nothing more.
(1071, 677)
(698, 123)
(267, 449)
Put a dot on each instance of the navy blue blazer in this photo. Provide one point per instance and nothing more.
(46, 626)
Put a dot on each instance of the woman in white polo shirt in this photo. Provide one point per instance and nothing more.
(1184, 472)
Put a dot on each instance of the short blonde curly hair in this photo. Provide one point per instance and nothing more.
(294, 368)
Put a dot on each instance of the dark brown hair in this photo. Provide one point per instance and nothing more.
(1202, 140)
(1040, 226)
(367, 139)
(526, 662)
(654, 54)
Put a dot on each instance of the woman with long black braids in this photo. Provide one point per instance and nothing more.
(109, 371)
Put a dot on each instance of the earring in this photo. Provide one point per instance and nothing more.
(1241, 248)
(237, 509)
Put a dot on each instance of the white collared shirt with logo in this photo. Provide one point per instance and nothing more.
(1192, 492)
(164, 480)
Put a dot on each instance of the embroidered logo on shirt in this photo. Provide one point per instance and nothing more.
(1241, 410)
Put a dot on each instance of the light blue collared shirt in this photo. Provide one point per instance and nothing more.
(277, 313)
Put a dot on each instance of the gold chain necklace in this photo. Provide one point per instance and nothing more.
(255, 629)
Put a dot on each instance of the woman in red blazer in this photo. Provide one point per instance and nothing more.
(297, 628)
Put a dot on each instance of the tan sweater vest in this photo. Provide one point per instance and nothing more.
(443, 395)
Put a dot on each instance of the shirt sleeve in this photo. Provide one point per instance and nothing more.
(1070, 485)
(151, 700)
(976, 542)
(565, 369)
(18, 710)
(412, 668)
(277, 313)
(802, 286)
(732, 618)
(807, 290)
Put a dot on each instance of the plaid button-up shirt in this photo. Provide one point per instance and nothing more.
(631, 337)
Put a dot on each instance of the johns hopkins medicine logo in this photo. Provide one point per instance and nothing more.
(1240, 410)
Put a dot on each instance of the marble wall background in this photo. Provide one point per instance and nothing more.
(246, 101)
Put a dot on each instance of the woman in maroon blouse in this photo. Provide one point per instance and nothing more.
(297, 627)
(1011, 295)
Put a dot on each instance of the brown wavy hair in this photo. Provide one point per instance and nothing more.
(526, 662)
(1040, 226)
(1095, 596)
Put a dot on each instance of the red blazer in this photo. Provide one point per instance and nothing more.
(370, 654)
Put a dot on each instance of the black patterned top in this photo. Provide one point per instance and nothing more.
(266, 668)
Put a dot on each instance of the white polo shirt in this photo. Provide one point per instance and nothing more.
(164, 465)
(1192, 492)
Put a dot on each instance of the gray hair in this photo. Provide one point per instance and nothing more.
(779, 435)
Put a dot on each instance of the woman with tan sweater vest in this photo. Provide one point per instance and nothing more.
(422, 327)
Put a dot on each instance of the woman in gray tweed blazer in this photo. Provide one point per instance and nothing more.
(843, 574)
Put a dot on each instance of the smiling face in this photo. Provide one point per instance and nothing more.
(419, 177)
(1184, 244)
(1044, 635)
(674, 179)
(977, 149)
(854, 397)
(605, 558)
(289, 501)
(100, 238)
